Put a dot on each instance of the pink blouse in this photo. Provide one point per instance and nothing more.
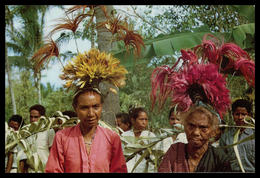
(69, 154)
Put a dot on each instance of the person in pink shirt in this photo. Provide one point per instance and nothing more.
(87, 147)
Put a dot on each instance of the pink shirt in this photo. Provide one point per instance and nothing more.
(69, 154)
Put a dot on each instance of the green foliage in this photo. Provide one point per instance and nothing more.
(26, 96)
(137, 92)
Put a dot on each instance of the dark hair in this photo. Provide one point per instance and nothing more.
(125, 118)
(75, 98)
(39, 108)
(172, 110)
(69, 113)
(134, 113)
(17, 118)
(242, 103)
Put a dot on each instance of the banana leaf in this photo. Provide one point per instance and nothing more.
(248, 11)
(164, 45)
(242, 35)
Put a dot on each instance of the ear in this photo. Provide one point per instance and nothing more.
(74, 107)
(127, 124)
(133, 121)
(213, 134)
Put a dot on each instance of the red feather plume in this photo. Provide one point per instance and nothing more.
(206, 76)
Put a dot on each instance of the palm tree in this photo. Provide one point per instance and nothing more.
(26, 41)
(9, 21)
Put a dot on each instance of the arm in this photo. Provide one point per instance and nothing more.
(55, 161)
(23, 166)
(117, 163)
(9, 162)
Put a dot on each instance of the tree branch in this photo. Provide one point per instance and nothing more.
(147, 21)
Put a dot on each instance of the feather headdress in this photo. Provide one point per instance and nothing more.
(190, 84)
(201, 80)
(88, 69)
(227, 57)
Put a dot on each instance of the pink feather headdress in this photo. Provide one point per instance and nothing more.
(190, 82)
(230, 58)
(203, 80)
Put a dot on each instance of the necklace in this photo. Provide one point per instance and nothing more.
(192, 164)
(89, 143)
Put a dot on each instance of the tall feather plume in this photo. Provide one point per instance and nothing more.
(160, 78)
(131, 38)
(225, 56)
(247, 68)
(208, 49)
(91, 11)
(68, 24)
(122, 31)
(114, 24)
(49, 49)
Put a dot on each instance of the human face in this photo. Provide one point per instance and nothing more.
(198, 130)
(140, 122)
(174, 119)
(14, 125)
(124, 127)
(88, 108)
(239, 115)
(34, 115)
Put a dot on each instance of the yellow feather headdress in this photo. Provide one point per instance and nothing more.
(88, 69)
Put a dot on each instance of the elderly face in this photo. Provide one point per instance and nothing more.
(198, 130)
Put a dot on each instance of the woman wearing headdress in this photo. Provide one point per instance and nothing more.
(199, 90)
(88, 147)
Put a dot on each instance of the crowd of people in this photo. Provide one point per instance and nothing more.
(77, 149)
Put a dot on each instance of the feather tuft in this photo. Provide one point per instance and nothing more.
(49, 49)
(92, 67)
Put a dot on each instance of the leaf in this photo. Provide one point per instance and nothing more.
(248, 11)
(251, 137)
(165, 45)
(146, 152)
(36, 161)
(239, 34)
(18, 161)
(236, 149)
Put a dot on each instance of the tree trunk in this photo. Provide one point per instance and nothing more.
(92, 33)
(37, 81)
(104, 38)
(9, 80)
